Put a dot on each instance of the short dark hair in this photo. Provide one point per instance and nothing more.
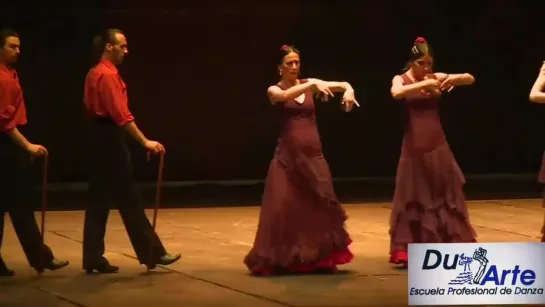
(4, 34)
(109, 35)
(100, 41)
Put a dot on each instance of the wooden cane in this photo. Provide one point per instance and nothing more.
(157, 200)
(45, 164)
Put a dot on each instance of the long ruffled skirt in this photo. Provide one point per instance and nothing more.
(301, 222)
(429, 203)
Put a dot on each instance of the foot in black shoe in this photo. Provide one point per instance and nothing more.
(54, 265)
(169, 259)
(104, 268)
(165, 260)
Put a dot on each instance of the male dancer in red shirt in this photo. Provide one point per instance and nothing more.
(15, 163)
(109, 117)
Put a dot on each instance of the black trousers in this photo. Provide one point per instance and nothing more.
(16, 198)
(112, 180)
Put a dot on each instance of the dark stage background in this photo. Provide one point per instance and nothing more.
(197, 73)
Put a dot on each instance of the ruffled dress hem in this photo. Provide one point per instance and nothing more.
(328, 263)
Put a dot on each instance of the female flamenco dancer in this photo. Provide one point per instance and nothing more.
(538, 96)
(429, 202)
(301, 223)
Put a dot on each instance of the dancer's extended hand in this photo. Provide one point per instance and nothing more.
(448, 84)
(349, 100)
(323, 91)
(431, 86)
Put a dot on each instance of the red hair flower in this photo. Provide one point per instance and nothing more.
(420, 40)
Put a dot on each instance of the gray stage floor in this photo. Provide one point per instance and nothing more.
(213, 242)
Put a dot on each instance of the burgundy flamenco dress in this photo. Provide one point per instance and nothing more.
(429, 202)
(301, 222)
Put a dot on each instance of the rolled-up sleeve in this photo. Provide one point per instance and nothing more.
(7, 110)
(114, 99)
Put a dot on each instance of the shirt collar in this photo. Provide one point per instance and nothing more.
(109, 65)
(8, 70)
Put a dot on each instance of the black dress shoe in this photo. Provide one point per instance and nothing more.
(165, 260)
(54, 265)
(103, 268)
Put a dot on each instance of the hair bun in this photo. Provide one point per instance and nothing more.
(420, 40)
(284, 47)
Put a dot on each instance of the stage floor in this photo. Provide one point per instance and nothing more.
(213, 242)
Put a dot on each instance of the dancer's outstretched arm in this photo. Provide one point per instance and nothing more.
(536, 94)
(276, 94)
(400, 91)
(334, 86)
(349, 98)
(449, 81)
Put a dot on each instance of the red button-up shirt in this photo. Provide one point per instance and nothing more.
(12, 103)
(106, 94)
